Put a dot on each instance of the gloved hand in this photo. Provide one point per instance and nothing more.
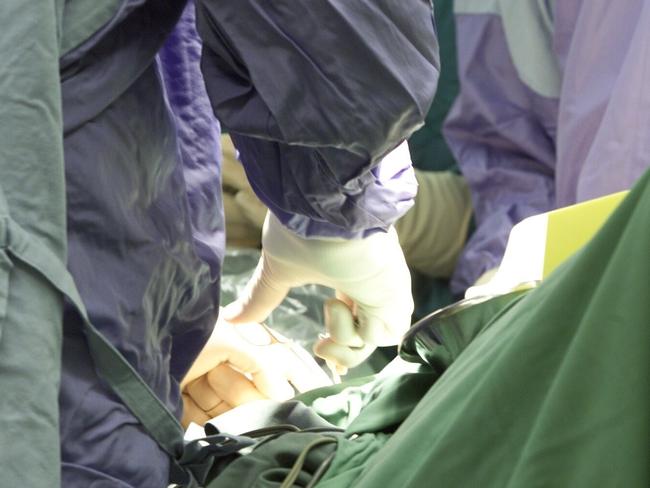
(373, 305)
(243, 363)
(433, 232)
(244, 212)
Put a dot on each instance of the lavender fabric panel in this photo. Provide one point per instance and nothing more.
(502, 134)
(604, 118)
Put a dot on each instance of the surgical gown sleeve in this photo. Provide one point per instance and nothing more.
(314, 94)
(503, 124)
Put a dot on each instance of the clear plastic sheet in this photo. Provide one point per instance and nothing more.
(299, 316)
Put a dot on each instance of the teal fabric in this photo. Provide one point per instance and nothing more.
(371, 404)
(429, 150)
(32, 199)
(547, 387)
(440, 338)
(371, 410)
(271, 463)
(40, 298)
(352, 458)
(554, 391)
(341, 403)
(429, 294)
(33, 274)
(29, 378)
(83, 18)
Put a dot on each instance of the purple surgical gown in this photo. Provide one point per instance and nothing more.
(553, 110)
(312, 110)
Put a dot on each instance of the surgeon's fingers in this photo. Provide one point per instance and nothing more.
(345, 299)
(232, 387)
(337, 370)
(273, 385)
(302, 370)
(218, 409)
(341, 323)
(279, 358)
(216, 351)
(268, 377)
(374, 329)
(344, 347)
(202, 394)
(192, 412)
(263, 293)
(341, 355)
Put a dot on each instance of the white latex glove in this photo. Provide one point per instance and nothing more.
(433, 232)
(243, 363)
(372, 281)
